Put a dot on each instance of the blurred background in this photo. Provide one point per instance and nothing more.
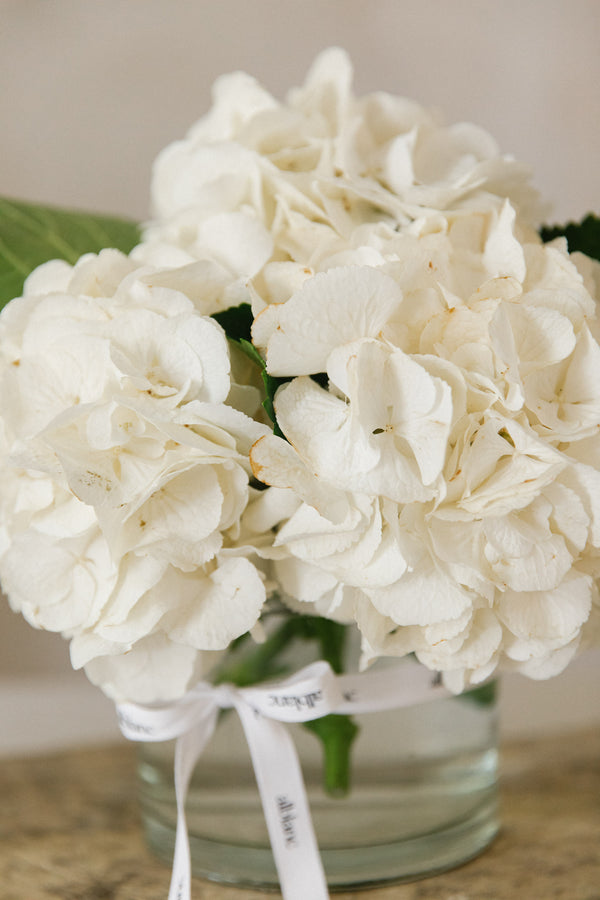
(90, 92)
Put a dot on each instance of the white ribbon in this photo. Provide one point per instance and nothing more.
(312, 692)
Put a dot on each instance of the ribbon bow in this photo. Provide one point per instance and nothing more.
(312, 692)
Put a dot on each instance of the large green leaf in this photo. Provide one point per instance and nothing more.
(31, 235)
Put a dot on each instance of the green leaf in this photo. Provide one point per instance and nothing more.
(270, 382)
(252, 353)
(236, 322)
(31, 235)
(583, 236)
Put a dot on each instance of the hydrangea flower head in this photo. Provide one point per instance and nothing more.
(434, 477)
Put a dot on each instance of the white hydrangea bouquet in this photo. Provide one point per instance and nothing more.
(341, 375)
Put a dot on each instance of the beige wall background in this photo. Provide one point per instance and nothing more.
(90, 92)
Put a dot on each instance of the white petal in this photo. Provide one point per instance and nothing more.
(275, 462)
(154, 670)
(423, 597)
(548, 615)
(69, 584)
(179, 522)
(236, 240)
(330, 309)
(503, 253)
(225, 606)
(481, 645)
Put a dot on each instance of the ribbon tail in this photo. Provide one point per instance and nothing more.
(188, 749)
(285, 805)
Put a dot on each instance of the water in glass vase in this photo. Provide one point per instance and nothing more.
(421, 797)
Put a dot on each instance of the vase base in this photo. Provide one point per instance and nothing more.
(355, 868)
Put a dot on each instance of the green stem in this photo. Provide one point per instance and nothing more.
(337, 734)
(262, 663)
(265, 661)
(484, 695)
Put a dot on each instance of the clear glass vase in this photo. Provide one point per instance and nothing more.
(421, 795)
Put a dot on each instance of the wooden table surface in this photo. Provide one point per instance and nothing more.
(69, 830)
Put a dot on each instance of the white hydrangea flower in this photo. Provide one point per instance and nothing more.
(125, 474)
(437, 481)
(443, 441)
(261, 191)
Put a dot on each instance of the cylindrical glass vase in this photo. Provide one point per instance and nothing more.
(422, 797)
